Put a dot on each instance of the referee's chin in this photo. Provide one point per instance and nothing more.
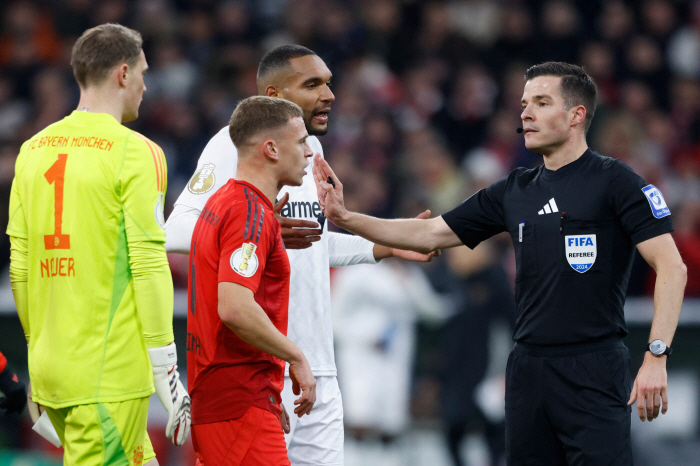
(536, 148)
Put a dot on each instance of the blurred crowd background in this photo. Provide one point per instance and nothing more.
(427, 104)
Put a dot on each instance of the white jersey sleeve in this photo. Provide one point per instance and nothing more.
(215, 167)
(179, 229)
(349, 250)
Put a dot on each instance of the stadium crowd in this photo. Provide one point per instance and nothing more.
(427, 92)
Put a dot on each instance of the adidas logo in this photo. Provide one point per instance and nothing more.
(549, 207)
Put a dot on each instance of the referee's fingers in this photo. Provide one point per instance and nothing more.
(641, 407)
(649, 398)
(657, 402)
(664, 400)
(633, 394)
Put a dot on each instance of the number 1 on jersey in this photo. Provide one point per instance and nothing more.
(55, 176)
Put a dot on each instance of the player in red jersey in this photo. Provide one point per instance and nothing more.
(238, 295)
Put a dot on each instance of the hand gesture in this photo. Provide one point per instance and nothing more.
(330, 190)
(296, 234)
(303, 382)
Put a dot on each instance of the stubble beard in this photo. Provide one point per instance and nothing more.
(310, 128)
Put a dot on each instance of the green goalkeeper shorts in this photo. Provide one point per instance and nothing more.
(109, 434)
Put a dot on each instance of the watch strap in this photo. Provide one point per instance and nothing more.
(667, 351)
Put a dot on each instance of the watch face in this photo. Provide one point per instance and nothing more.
(657, 347)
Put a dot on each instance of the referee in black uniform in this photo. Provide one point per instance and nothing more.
(574, 222)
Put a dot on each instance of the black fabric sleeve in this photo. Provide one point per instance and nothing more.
(479, 217)
(632, 207)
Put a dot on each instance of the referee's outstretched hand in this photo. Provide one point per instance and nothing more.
(330, 190)
(296, 233)
(650, 389)
(304, 383)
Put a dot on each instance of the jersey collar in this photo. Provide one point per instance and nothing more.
(257, 191)
(551, 175)
(93, 117)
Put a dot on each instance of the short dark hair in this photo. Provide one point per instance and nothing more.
(258, 114)
(279, 58)
(102, 48)
(577, 88)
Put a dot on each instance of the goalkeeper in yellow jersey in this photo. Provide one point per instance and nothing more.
(88, 268)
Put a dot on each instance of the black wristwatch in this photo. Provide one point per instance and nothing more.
(658, 348)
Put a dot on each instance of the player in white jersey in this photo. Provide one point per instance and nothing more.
(294, 73)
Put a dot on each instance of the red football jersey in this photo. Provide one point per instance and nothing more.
(237, 239)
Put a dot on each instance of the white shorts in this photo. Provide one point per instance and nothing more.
(316, 439)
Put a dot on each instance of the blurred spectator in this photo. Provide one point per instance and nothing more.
(375, 310)
(174, 77)
(482, 292)
(14, 112)
(684, 47)
(464, 118)
(484, 295)
(560, 30)
(615, 23)
(659, 19)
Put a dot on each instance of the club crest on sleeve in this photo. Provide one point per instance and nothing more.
(158, 213)
(656, 201)
(581, 252)
(202, 181)
(244, 261)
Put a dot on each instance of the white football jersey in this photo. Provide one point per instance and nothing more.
(310, 325)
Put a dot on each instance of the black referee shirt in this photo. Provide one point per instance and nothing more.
(574, 231)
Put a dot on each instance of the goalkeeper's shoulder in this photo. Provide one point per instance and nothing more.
(137, 142)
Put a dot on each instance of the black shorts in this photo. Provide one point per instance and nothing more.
(568, 406)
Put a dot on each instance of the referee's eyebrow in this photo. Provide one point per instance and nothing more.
(538, 97)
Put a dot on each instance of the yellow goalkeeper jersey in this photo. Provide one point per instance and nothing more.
(87, 204)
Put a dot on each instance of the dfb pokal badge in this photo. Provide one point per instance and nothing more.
(581, 251)
(244, 261)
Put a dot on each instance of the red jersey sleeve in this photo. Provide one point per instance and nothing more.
(245, 239)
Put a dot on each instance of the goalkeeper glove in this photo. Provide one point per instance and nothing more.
(15, 392)
(171, 393)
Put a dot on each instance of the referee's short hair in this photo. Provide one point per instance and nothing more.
(279, 57)
(577, 88)
(101, 48)
(260, 114)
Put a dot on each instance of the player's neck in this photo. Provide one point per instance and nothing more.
(101, 100)
(260, 178)
(565, 154)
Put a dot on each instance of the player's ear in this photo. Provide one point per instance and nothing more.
(271, 150)
(272, 91)
(122, 74)
(578, 116)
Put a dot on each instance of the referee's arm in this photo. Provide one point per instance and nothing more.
(650, 387)
(414, 234)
